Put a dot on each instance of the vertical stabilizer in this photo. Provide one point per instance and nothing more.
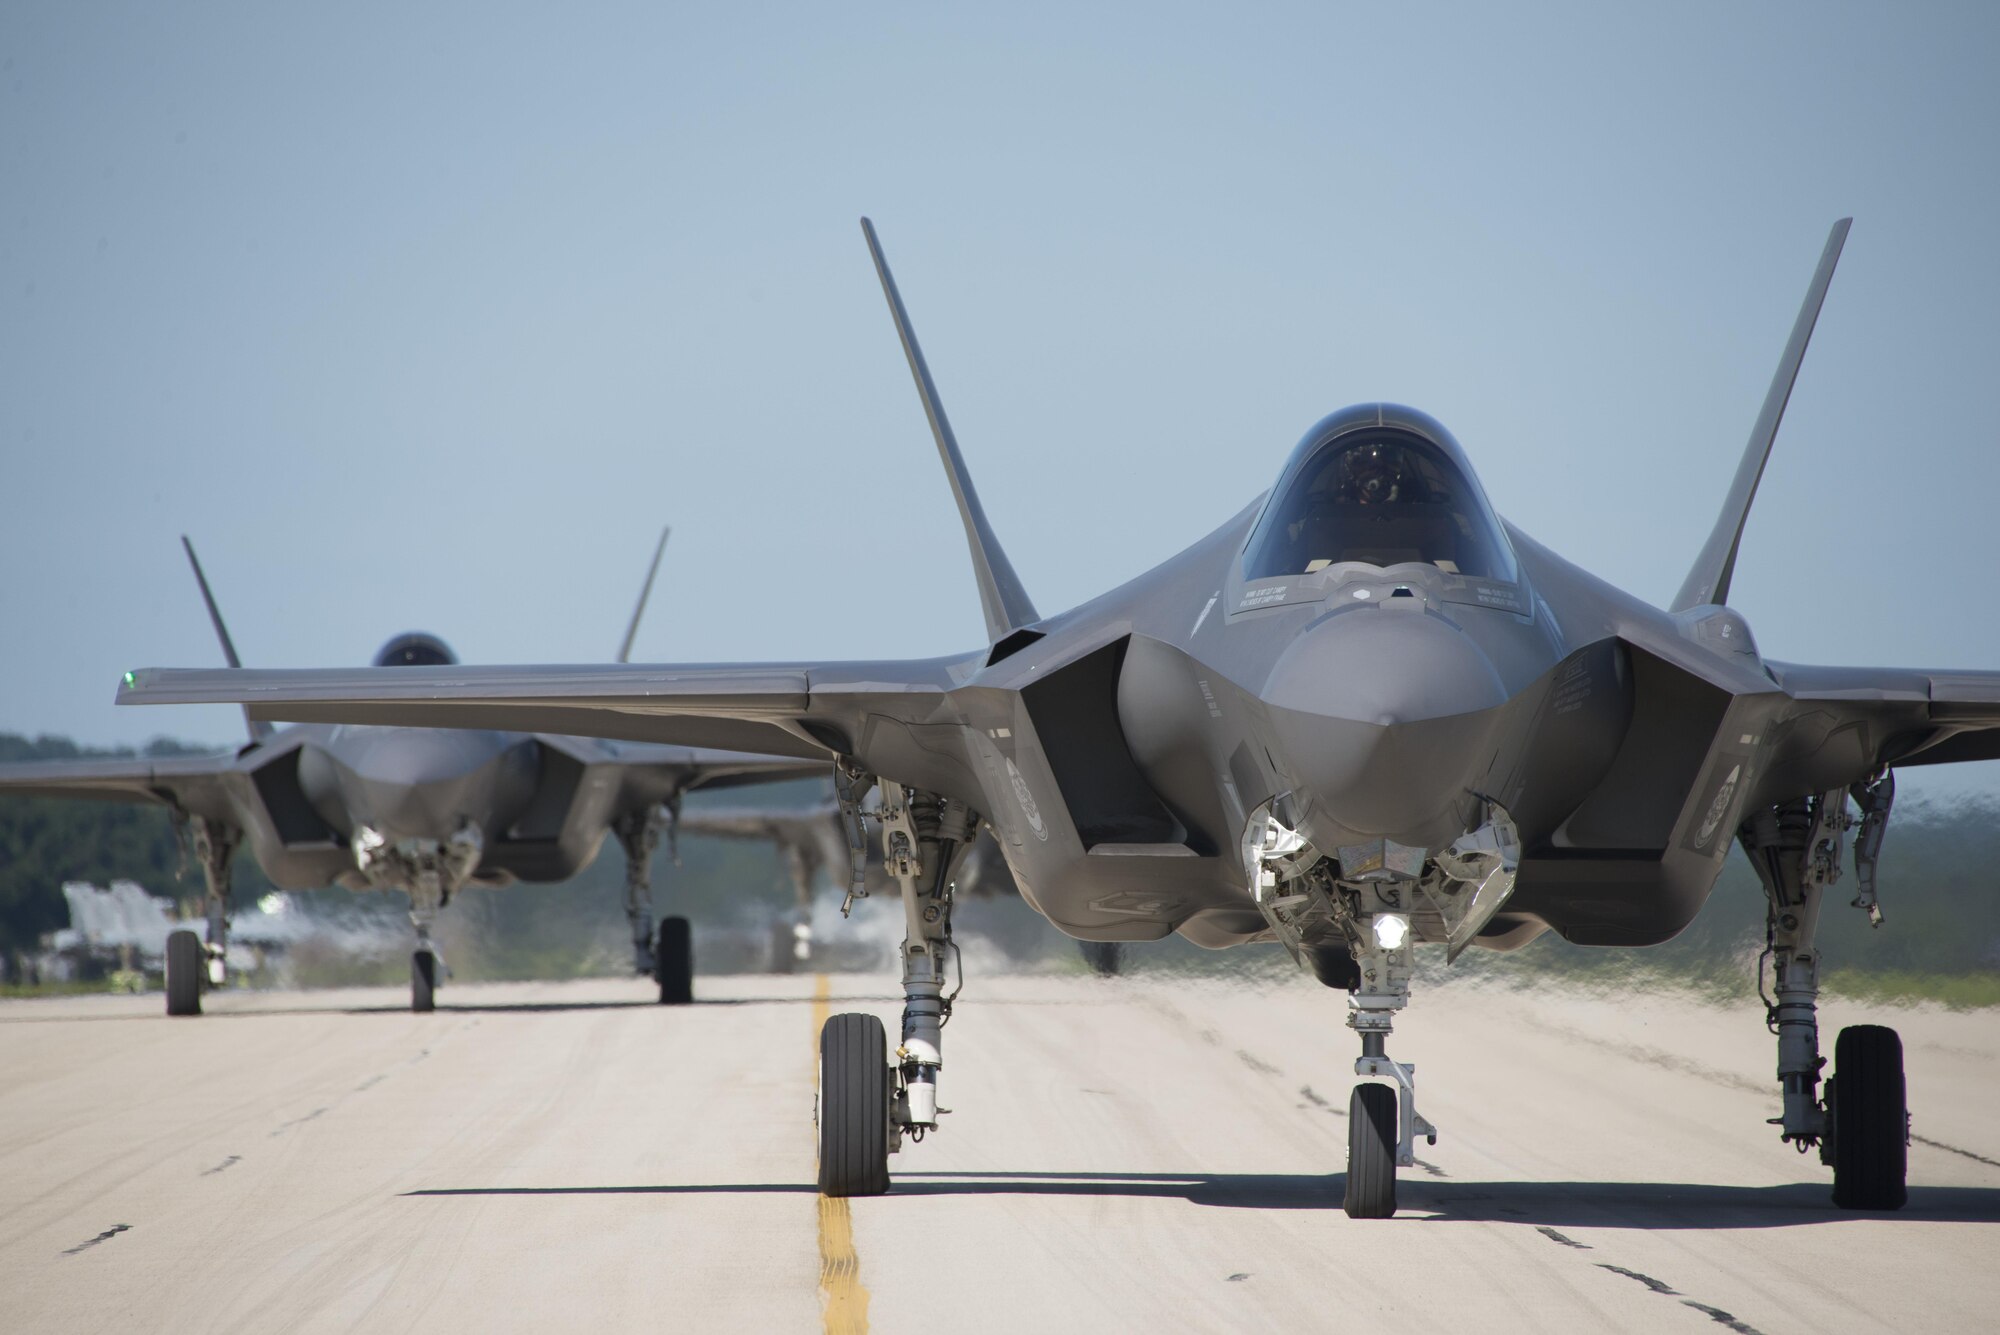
(258, 730)
(1708, 582)
(645, 592)
(1006, 603)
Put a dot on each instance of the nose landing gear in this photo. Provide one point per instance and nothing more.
(1382, 1120)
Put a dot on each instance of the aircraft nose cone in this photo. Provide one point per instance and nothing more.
(1384, 667)
(1385, 720)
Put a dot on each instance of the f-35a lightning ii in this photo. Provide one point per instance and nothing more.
(1363, 715)
(422, 811)
(816, 836)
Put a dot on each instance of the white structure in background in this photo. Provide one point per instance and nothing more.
(106, 921)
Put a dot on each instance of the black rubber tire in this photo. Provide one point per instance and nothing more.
(1105, 958)
(1371, 1153)
(423, 982)
(1869, 1117)
(853, 1106)
(673, 962)
(1334, 966)
(187, 970)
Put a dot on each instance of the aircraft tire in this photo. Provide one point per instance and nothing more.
(673, 962)
(1868, 1120)
(1371, 1153)
(853, 1110)
(423, 982)
(187, 965)
(1105, 958)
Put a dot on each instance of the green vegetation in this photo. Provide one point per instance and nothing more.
(1940, 943)
(44, 843)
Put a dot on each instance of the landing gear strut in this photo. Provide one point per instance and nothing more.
(639, 835)
(191, 966)
(924, 838)
(1862, 1127)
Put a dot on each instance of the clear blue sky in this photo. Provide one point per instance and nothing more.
(430, 316)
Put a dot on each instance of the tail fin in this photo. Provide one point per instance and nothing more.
(258, 730)
(645, 592)
(1005, 602)
(1708, 582)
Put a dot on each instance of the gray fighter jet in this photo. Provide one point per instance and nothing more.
(422, 811)
(1361, 716)
(815, 837)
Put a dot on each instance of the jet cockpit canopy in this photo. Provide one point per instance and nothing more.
(1380, 485)
(415, 649)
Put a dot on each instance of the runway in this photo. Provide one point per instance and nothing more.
(1142, 1154)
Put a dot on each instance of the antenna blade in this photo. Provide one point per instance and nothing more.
(645, 592)
(258, 731)
(1005, 602)
(1708, 581)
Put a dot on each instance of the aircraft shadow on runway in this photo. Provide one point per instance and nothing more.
(1649, 1205)
(444, 1008)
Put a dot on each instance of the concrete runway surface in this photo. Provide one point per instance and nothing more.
(1148, 1154)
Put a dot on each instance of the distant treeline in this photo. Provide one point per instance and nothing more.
(44, 843)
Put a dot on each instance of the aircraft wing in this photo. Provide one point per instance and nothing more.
(670, 768)
(1910, 716)
(178, 781)
(801, 711)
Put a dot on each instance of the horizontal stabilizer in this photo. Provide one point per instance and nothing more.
(1708, 582)
(1006, 603)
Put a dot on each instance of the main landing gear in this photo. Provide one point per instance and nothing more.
(1862, 1126)
(193, 966)
(866, 1105)
(667, 953)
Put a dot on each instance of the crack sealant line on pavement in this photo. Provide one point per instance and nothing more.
(843, 1297)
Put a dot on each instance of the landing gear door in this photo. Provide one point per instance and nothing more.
(1479, 872)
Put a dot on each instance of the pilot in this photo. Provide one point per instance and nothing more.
(1374, 474)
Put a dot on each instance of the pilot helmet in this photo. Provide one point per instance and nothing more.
(1372, 473)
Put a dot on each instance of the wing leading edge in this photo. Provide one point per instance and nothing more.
(1916, 716)
(168, 780)
(813, 711)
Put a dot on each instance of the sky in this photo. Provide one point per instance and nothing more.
(431, 317)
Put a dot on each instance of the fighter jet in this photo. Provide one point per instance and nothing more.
(817, 836)
(1363, 716)
(424, 812)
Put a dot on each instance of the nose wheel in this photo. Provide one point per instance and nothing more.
(1372, 1136)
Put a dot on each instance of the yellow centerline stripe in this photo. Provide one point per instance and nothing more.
(843, 1296)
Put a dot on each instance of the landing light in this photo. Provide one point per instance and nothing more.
(1391, 930)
